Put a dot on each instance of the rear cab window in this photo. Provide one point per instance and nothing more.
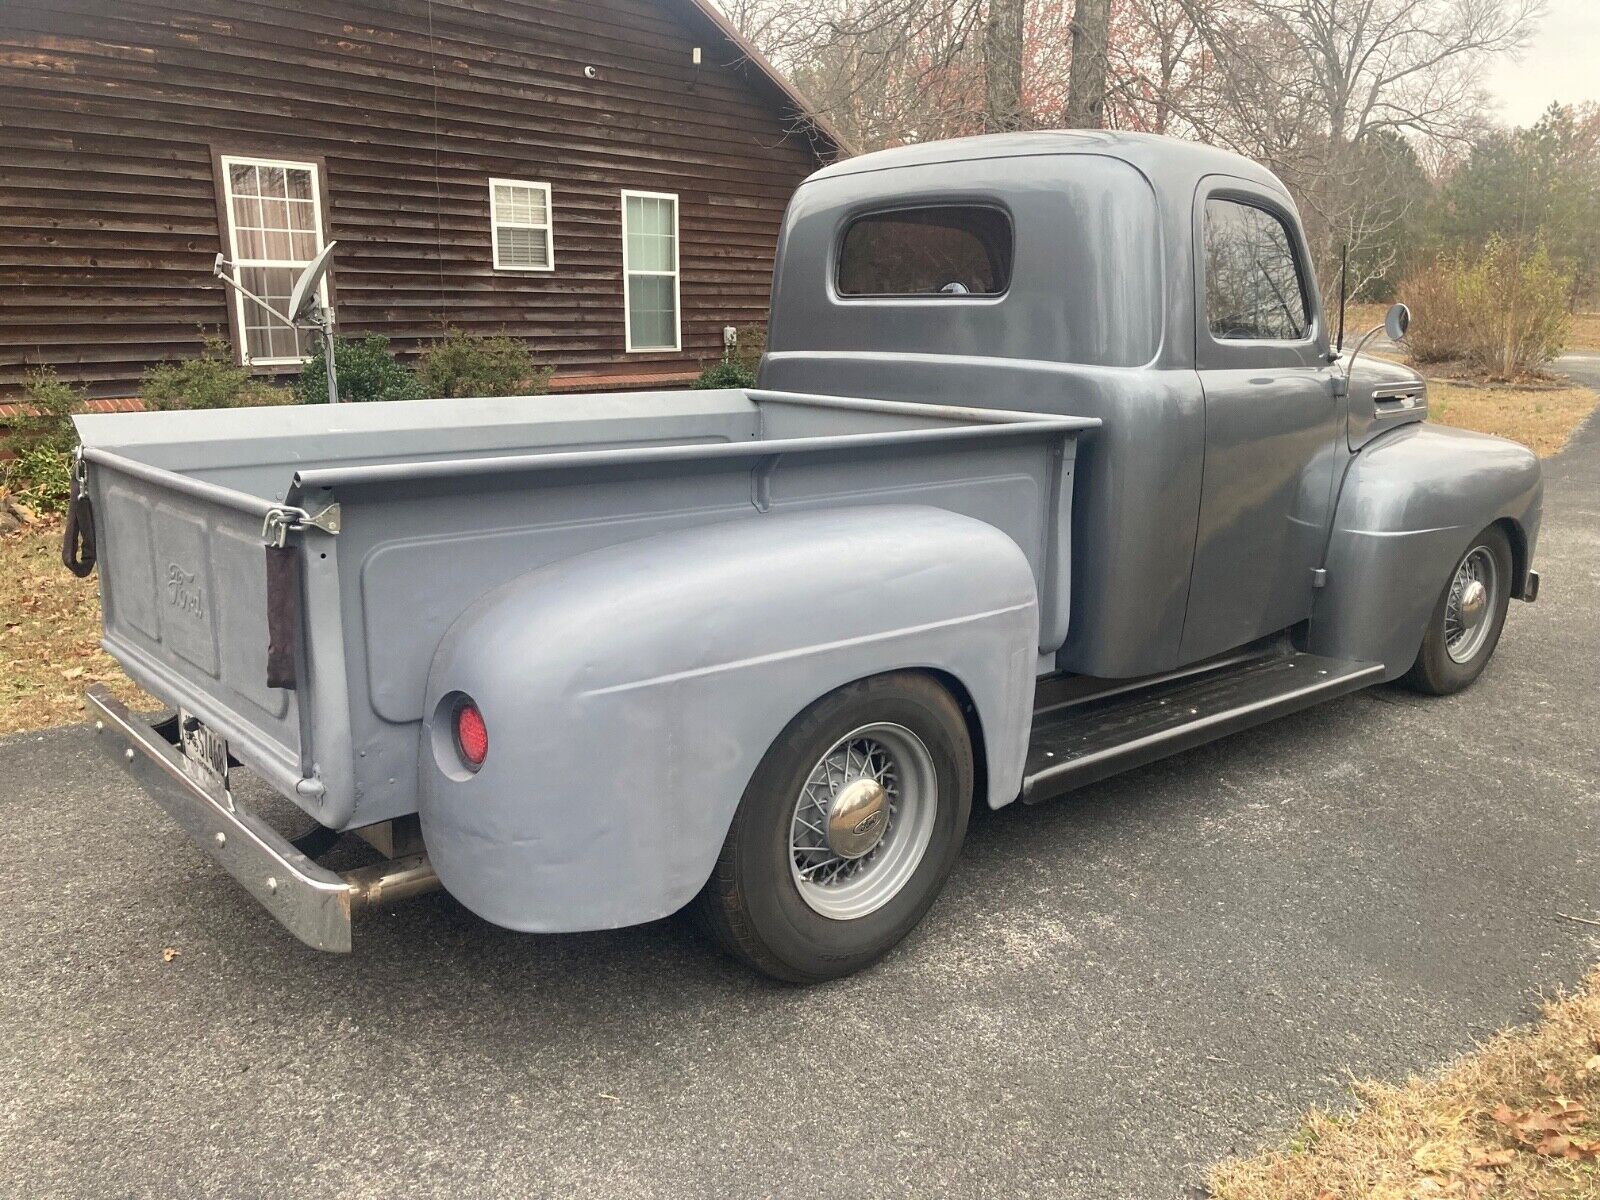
(948, 250)
(1254, 287)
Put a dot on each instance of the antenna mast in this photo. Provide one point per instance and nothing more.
(1344, 274)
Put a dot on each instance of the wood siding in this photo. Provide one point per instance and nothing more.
(113, 112)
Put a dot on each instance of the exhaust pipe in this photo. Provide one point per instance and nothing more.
(390, 882)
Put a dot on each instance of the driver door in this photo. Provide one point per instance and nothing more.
(1272, 420)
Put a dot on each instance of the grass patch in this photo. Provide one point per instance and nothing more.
(1540, 419)
(1585, 333)
(1358, 318)
(1516, 1119)
(49, 635)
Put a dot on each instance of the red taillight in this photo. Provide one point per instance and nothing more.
(472, 735)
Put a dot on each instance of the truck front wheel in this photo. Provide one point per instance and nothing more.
(847, 831)
(1467, 619)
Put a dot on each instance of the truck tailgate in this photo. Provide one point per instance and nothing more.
(184, 589)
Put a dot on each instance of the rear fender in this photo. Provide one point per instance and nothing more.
(630, 693)
(1411, 502)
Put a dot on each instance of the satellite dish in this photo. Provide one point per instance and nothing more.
(304, 296)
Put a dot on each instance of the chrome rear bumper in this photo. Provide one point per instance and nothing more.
(311, 902)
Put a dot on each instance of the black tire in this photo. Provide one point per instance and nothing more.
(1436, 673)
(752, 905)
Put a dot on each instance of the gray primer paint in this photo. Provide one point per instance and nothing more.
(1203, 502)
(508, 489)
(616, 762)
(643, 590)
(1410, 506)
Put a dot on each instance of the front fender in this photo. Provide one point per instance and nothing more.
(1411, 502)
(630, 692)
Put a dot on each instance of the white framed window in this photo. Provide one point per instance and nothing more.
(650, 271)
(520, 225)
(274, 209)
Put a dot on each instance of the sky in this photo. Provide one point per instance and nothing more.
(1562, 62)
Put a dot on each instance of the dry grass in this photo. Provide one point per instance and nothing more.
(1540, 419)
(1358, 318)
(1514, 1121)
(49, 635)
(1585, 333)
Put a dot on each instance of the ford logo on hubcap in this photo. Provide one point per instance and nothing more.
(871, 824)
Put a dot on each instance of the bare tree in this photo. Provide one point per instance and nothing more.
(1328, 93)
(1155, 63)
(1086, 85)
(884, 71)
(1002, 65)
(1309, 85)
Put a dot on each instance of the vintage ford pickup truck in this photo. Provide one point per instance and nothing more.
(1051, 471)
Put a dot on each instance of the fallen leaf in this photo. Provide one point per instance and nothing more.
(72, 673)
(169, 954)
(1493, 1160)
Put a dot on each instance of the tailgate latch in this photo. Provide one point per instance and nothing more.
(283, 520)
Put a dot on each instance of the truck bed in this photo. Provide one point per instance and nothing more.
(425, 506)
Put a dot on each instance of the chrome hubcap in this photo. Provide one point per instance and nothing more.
(1469, 607)
(863, 821)
(858, 818)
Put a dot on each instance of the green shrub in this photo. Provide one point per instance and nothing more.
(727, 374)
(213, 380)
(467, 364)
(1503, 314)
(739, 365)
(366, 370)
(42, 442)
(41, 477)
(1518, 309)
(752, 345)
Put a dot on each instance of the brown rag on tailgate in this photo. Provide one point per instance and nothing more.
(283, 615)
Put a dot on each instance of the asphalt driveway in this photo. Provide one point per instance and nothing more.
(1116, 990)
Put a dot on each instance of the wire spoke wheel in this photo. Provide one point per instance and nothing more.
(1470, 605)
(847, 831)
(863, 821)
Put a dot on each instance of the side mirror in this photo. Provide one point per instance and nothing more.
(304, 296)
(1395, 324)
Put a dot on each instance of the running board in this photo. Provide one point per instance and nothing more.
(1077, 744)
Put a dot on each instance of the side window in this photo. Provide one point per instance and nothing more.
(274, 229)
(650, 272)
(1253, 287)
(520, 233)
(946, 250)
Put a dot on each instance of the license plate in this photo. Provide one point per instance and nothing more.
(205, 752)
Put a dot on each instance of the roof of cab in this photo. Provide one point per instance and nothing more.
(1168, 162)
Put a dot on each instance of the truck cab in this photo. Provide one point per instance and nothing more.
(1050, 471)
(1165, 288)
